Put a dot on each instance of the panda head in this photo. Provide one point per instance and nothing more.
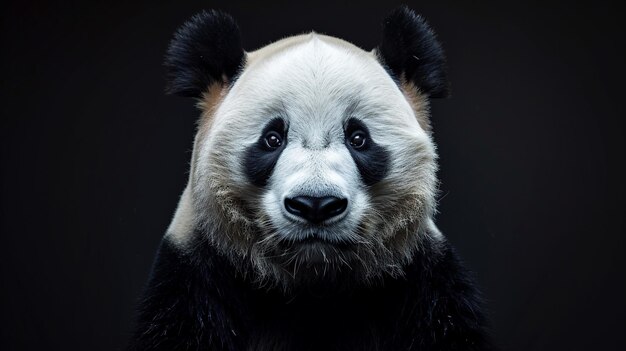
(313, 158)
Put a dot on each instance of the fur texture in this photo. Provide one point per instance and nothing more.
(205, 50)
(411, 52)
(236, 271)
(198, 301)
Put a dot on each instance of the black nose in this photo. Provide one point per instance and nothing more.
(316, 209)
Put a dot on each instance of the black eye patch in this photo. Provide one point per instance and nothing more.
(372, 160)
(260, 158)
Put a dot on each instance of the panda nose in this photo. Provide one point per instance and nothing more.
(316, 209)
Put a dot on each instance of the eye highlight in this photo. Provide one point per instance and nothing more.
(273, 140)
(274, 136)
(357, 135)
(357, 139)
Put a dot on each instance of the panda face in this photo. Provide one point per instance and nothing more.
(314, 161)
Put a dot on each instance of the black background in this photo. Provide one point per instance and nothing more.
(94, 157)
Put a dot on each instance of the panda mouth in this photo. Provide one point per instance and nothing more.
(315, 240)
(315, 250)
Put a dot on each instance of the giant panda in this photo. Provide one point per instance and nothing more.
(307, 221)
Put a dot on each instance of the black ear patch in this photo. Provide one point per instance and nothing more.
(410, 49)
(204, 50)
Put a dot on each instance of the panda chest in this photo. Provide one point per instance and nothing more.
(317, 325)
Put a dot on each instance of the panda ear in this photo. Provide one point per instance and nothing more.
(410, 51)
(206, 49)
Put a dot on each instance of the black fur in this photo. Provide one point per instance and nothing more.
(259, 161)
(372, 160)
(204, 50)
(197, 301)
(410, 49)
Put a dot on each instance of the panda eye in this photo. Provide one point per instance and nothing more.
(273, 140)
(357, 140)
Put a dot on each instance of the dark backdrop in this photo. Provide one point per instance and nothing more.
(94, 157)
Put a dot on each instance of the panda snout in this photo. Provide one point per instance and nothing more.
(316, 209)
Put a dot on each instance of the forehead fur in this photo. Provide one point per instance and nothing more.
(316, 67)
(290, 42)
(314, 78)
(311, 68)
